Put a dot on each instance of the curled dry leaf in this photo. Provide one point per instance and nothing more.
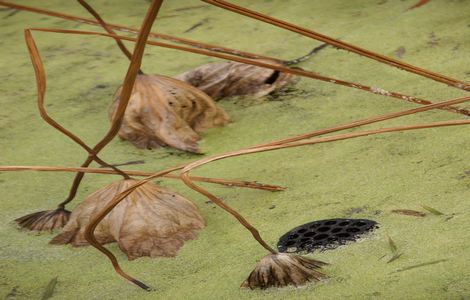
(151, 221)
(283, 269)
(164, 111)
(226, 79)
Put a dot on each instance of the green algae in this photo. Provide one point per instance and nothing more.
(364, 178)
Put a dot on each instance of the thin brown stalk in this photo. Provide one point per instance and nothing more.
(418, 4)
(258, 63)
(340, 44)
(367, 121)
(108, 29)
(128, 84)
(90, 229)
(41, 87)
(127, 53)
(339, 137)
(174, 39)
(226, 182)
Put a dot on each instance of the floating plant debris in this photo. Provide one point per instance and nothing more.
(282, 269)
(152, 221)
(324, 234)
(226, 79)
(409, 212)
(163, 111)
(432, 210)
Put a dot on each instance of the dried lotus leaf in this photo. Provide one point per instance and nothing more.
(281, 269)
(225, 79)
(151, 221)
(164, 111)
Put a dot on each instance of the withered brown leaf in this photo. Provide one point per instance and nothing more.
(225, 79)
(283, 269)
(151, 221)
(165, 111)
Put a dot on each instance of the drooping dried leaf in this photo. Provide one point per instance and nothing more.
(283, 269)
(151, 221)
(164, 111)
(46, 220)
(225, 79)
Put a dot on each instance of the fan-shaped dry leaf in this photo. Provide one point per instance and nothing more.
(165, 111)
(283, 269)
(151, 221)
(47, 220)
(225, 79)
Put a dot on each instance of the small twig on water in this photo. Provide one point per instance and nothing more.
(420, 265)
(49, 290)
(409, 212)
(394, 249)
(432, 210)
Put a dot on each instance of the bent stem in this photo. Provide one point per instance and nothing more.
(126, 52)
(267, 65)
(90, 228)
(127, 87)
(226, 182)
(108, 29)
(192, 43)
(339, 44)
(41, 88)
(187, 180)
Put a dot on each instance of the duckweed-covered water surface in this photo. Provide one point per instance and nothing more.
(362, 178)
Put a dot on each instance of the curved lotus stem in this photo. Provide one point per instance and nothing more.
(339, 44)
(41, 87)
(185, 177)
(108, 29)
(119, 114)
(121, 28)
(90, 229)
(128, 84)
(103, 24)
(262, 64)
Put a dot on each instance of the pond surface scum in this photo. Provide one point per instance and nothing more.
(365, 178)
